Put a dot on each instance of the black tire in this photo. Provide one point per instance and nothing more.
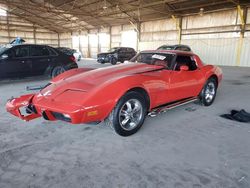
(209, 92)
(115, 118)
(113, 60)
(57, 70)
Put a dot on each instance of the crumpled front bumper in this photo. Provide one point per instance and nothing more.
(15, 105)
(24, 109)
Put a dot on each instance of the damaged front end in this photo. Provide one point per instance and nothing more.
(22, 107)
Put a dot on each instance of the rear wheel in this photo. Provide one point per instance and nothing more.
(208, 92)
(57, 70)
(128, 115)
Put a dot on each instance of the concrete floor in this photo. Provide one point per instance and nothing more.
(190, 146)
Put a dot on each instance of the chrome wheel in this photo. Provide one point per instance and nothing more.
(210, 92)
(131, 114)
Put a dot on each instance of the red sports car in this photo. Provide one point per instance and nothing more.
(123, 95)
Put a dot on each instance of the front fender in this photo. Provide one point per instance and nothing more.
(104, 98)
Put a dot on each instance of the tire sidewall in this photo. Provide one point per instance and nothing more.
(115, 119)
(113, 60)
(203, 100)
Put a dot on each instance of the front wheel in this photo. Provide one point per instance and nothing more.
(128, 115)
(208, 92)
(113, 60)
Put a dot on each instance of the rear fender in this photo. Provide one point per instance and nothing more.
(211, 70)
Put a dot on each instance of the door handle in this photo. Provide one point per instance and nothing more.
(22, 61)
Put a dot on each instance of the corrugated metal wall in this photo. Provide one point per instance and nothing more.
(12, 26)
(215, 51)
(65, 40)
(215, 37)
(245, 57)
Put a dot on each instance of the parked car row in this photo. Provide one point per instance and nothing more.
(114, 55)
(21, 60)
(121, 54)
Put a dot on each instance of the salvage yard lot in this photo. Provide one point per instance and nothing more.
(190, 146)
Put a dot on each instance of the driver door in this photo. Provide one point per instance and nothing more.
(184, 83)
(18, 64)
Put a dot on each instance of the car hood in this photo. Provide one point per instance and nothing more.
(83, 82)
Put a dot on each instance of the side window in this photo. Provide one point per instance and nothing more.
(123, 50)
(146, 58)
(138, 58)
(186, 49)
(52, 52)
(185, 60)
(142, 58)
(21, 51)
(130, 50)
(39, 51)
(45, 51)
(9, 53)
(183, 49)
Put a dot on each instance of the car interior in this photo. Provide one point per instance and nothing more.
(187, 61)
(147, 58)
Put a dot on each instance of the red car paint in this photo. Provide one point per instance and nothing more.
(87, 95)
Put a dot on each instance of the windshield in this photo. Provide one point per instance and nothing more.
(160, 59)
(112, 49)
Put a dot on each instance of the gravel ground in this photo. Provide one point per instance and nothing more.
(189, 147)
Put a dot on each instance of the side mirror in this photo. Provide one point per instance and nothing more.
(184, 68)
(4, 56)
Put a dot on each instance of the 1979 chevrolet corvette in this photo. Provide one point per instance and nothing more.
(123, 95)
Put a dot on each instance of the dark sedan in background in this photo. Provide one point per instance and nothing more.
(114, 55)
(179, 47)
(29, 59)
